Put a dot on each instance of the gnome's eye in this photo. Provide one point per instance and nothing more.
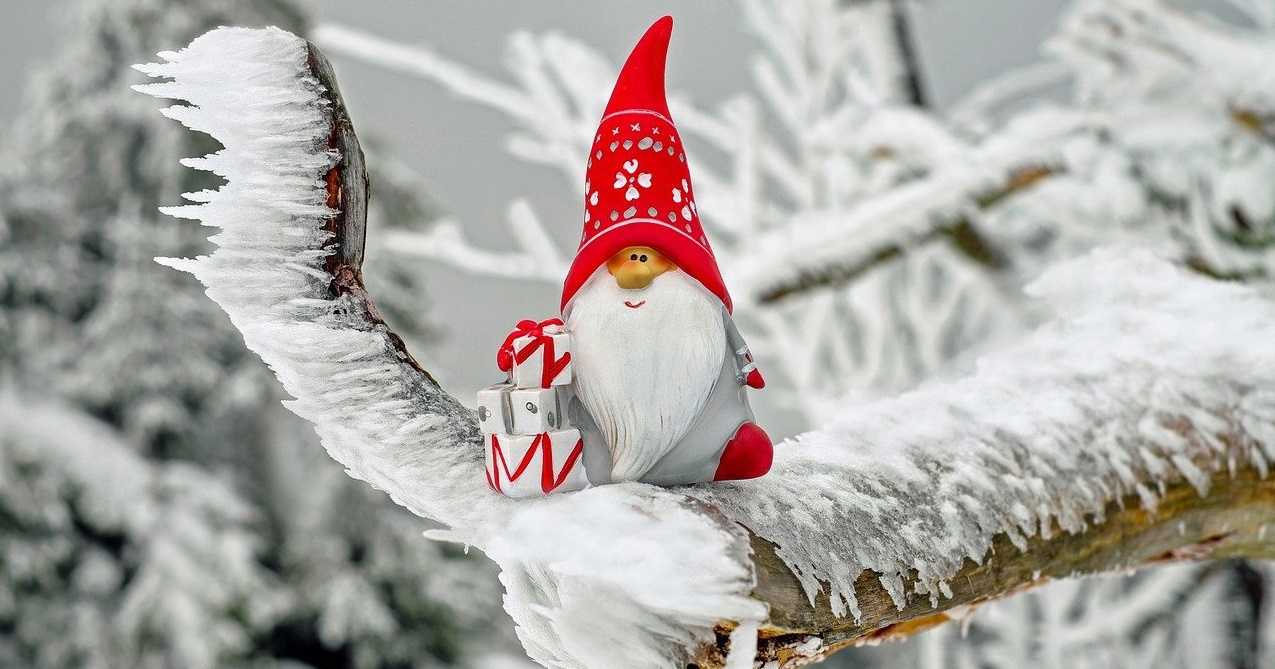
(634, 257)
(643, 258)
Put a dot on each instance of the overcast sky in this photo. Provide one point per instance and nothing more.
(458, 147)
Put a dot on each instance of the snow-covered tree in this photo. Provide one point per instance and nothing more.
(110, 559)
(1129, 423)
(158, 507)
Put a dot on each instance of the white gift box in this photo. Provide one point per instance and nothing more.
(505, 408)
(526, 465)
(537, 410)
(542, 360)
(494, 411)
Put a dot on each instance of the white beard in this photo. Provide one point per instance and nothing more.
(644, 374)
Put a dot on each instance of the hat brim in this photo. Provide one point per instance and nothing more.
(689, 254)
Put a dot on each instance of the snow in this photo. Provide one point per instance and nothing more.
(904, 216)
(623, 576)
(1047, 431)
(113, 479)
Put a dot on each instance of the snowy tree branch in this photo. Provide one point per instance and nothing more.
(842, 248)
(346, 187)
(1127, 58)
(1235, 519)
(1137, 427)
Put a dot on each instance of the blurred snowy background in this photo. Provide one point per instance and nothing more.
(158, 508)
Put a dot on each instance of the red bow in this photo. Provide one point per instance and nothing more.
(505, 357)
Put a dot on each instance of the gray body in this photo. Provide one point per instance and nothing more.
(695, 457)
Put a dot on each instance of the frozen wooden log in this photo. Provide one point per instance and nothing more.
(1236, 519)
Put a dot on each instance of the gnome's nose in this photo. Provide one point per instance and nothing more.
(635, 267)
(634, 275)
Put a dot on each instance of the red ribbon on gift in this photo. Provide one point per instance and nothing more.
(549, 478)
(505, 358)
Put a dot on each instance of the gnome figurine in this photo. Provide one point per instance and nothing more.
(659, 369)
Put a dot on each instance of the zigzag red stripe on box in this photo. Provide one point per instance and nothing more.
(553, 365)
(550, 478)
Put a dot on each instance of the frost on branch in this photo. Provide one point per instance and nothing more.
(276, 274)
(1149, 387)
(1146, 377)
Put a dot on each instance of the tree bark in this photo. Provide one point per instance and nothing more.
(1235, 519)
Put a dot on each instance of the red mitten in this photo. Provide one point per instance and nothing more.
(747, 455)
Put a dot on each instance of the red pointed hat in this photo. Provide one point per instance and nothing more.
(637, 185)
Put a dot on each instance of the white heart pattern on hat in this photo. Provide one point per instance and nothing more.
(642, 180)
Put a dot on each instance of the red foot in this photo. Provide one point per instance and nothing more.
(748, 455)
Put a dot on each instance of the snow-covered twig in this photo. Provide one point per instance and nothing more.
(825, 252)
(976, 109)
(419, 61)
(1144, 71)
(538, 259)
(295, 295)
(1150, 390)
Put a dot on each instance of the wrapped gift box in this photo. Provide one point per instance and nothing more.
(505, 408)
(537, 410)
(494, 411)
(542, 359)
(528, 465)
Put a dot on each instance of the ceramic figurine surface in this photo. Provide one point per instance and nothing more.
(658, 370)
(537, 410)
(530, 465)
(494, 411)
